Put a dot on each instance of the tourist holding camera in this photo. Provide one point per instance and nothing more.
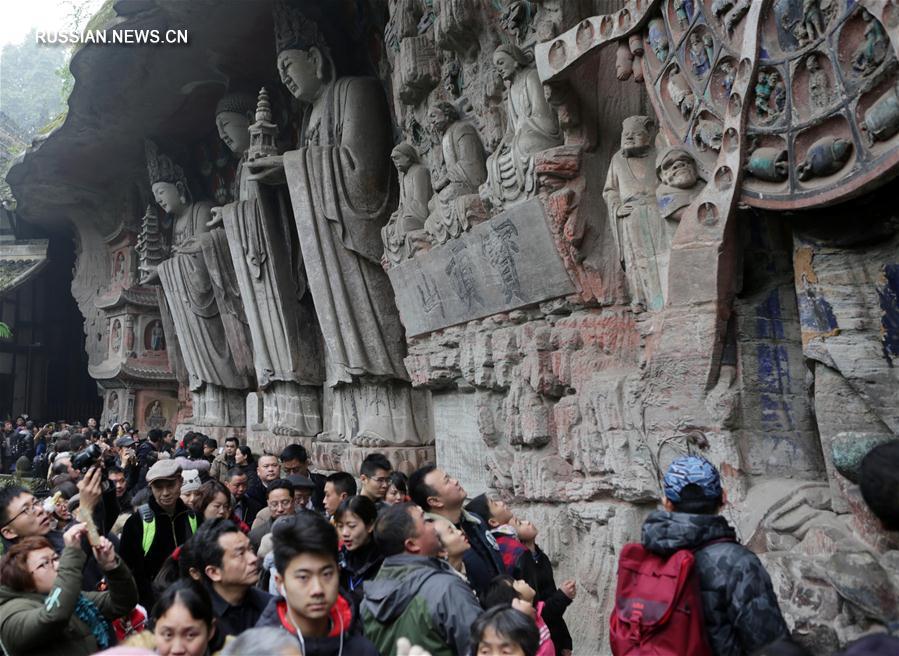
(42, 608)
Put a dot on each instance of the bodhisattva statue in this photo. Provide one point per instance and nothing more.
(532, 126)
(639, 231)
(339, 180)
(199, 287)
(404, 234)
(287, 351)
(460, 169)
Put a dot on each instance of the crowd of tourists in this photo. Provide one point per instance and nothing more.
(119, 542)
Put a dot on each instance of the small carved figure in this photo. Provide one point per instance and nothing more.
(409, 218)
(460, 168)
(873, 50)
(641, 237)
(119, 266)
(824, 157)
(709, 45)
(683, 11)
(116, 336)
(680, 93)
(517, 18)
(155, 418)
(818, 84)
(157, 337)
(881, 120)
(763, 91)
(768, 164)
(453, 81)
(707, 134)
(658, 39)
(699, 59)
(727, 77)
(532, 127)
(812, 20)
(778, 92)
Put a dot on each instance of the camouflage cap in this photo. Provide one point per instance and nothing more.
(694, 470)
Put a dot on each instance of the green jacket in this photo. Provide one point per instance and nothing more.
(422, 599)
(30, 624)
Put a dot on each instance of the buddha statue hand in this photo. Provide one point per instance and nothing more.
(268, 170)
(216, 217)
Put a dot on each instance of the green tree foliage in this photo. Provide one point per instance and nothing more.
(30, 83)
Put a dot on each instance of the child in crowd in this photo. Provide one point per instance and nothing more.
(506, 590)
(505, 630)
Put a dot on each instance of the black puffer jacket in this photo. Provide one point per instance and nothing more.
(738, 601)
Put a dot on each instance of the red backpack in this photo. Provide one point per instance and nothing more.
(658, 606)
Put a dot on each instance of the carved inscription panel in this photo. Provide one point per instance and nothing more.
(501, 264)
(461, 451)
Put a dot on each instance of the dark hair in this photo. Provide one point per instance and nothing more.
(195, 450)
(373, 462)
(155, 435)
(208, 490)
(500, 591)
(114, 469)
(66, 489)
(248, 452)
(307, 533)
(280, 484)
(211, 443)
(60, 467)
(694, 501)
(234, 439)
(294, 452)
(400, 481)
(177, 566)
(879, 483)
(76, 442)
(7, 496)
(393, 528)
(418, 489)
(189, 594)
(235, 471)
(361, 506)
(508, 623)
(14, 572)
(206, 542)
(343, 483)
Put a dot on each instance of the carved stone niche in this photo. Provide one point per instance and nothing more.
(456, 25)
(419, 68)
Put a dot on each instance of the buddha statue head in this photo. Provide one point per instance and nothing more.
(233, 115)
(636, 135)
(304, 59)
(507, 59)
(167, 181)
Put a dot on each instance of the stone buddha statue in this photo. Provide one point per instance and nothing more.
(532, 126)
(202, 300)
(404, 233)
(287, 349)
(340, 182)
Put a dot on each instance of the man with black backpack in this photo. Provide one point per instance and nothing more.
(690, 587)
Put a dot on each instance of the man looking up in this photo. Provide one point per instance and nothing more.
(230, 570)
(152, 533)
(434, 490)
(295, 460)
(308, 576)
(338, 486)
(416, 595)
(375, 477)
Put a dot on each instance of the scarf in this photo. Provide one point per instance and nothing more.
(88, 613)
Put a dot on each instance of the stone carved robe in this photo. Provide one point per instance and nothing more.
(463, 170)
(410, 215)
(533, 127)
(191, 292)
(341, 202)
(642, 239)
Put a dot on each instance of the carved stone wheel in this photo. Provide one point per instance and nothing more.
(823, 115)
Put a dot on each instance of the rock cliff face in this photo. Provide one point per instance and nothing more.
(576, 314)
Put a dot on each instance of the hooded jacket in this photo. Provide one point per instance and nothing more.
(421, 599)
(483, 562)
(33, 623)
(345, 639)
(739, 606)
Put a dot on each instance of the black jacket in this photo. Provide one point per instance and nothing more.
(483, 561)
(346, 638)
(234, 620)
(171, 531)
(738, 602)
(357, 567)
(555, 601)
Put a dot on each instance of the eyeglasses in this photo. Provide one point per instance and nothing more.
(50, 562)
(30, 509)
